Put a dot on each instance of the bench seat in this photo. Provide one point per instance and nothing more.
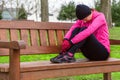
(46, 69)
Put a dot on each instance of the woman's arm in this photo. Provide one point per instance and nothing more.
(77, 24)
(97, 22)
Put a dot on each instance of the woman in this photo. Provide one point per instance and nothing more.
(89, 34)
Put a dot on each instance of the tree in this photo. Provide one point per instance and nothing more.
(14, 7)
(97, 5)
(44, 11)
(67, 12)
(106, 9)
(116, 12)
(22, 14)
(1, 8)
(0, 14)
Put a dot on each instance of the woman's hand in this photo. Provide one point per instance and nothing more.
(66, 45)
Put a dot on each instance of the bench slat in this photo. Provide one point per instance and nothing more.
(25, 36)
(3, 34)
(59, 37)
(114, 42)
(4, 52)
(43, 37)
(51, 36)
(14, 35)
(47, 65)
(34, 37)
(69, 72)
(34, 49)
(33, 25)
(41, 50)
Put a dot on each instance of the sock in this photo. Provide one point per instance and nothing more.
(70, 54)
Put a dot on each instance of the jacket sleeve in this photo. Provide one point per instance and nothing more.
(77, 24)
(96, 23)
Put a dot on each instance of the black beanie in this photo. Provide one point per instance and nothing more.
(82, 11)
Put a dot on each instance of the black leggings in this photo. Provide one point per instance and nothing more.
(90, 47)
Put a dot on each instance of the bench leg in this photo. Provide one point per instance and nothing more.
(107, 76)
(14, 71)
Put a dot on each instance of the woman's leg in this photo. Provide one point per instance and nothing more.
(94, 50)
(91, 48)
(67, 56)
(73, 49)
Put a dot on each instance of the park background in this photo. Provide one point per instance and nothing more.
(62, 11)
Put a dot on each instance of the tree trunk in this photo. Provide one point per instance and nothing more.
(44, 11)
(106, 9)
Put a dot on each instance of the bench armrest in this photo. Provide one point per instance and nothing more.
(13, 44)
(114, 42)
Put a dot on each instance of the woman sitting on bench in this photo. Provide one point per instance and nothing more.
(89, 34)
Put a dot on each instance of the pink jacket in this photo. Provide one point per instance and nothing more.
(97, 26)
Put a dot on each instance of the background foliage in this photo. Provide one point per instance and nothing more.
(22, 14)
(116, 12)
(0, 14)
(67, 12)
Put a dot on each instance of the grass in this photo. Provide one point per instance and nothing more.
(115, 53)
(115, 33)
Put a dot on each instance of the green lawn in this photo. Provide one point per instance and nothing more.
(115, 33)
(115, 52)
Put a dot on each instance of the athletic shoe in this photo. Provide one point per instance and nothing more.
(53, 60)
(63, 59)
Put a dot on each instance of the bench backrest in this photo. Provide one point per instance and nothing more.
(40, 37)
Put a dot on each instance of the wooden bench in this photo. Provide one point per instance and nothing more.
(29, 37)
